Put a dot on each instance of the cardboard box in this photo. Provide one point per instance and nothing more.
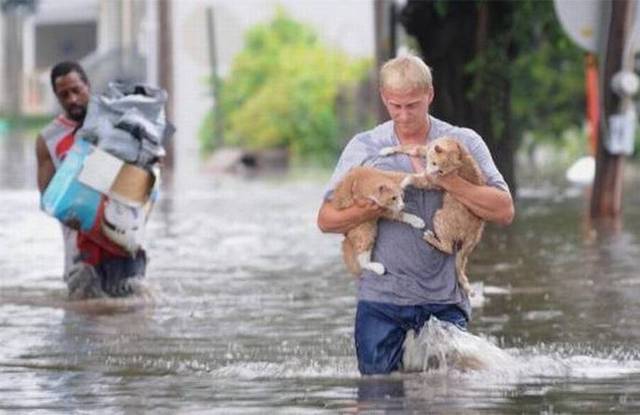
(86, 178)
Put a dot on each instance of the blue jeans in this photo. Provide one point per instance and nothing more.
(381, 329)
(113, 277)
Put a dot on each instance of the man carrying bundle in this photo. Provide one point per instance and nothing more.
(91, 269)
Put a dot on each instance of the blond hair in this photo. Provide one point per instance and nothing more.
(405, 73)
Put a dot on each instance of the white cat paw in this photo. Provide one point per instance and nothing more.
(387, 151)
(413, 220)
(407, 181)
(376, 267)
(428, 234)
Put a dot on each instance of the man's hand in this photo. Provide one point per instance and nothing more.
(445, 181)
(73, 224)
(486, 202)
(333, 220)
(370, 209)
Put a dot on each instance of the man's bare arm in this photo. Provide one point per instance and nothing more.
(488, 203)
(46, 169)
(332, 220)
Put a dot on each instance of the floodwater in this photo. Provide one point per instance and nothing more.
(252, 311)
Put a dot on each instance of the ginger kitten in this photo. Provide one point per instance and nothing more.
(383, 188)
(455, 227)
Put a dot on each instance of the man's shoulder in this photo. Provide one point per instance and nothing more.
(367, 144)
(360, 150)
(469, 137)
(444, 128)
(380, 135)
(57, 125)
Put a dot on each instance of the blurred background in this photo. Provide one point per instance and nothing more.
(287, 83)
(252, 309)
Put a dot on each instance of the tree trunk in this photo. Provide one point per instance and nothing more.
(385, 39)
(165, 69)
(606, 199)
(454, 35)
(13, 58)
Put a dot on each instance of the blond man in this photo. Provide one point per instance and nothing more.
(420, 281)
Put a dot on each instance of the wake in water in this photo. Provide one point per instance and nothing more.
(441, 346)
(142, 295)
(90, 292)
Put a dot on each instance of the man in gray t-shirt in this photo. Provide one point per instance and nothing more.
(420, 281)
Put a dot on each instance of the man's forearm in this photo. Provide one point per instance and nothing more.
(332, 220)
(45, 168)
(488, 203)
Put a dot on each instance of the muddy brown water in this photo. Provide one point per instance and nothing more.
(252, 311)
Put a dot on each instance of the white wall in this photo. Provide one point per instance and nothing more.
(2, 70)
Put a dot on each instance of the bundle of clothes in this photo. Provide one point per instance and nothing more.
(128, 121)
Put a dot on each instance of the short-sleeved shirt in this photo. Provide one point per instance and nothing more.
(416, 272)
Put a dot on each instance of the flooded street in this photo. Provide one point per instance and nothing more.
(252, 311)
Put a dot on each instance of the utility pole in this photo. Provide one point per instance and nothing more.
(165, 68)
(15, 13)
(385, 38)
(617, 127)
(215, 80)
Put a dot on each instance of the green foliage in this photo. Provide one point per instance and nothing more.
(31, 123)
(548, 76)
(282, 93)
(441, 7)
(544, 69)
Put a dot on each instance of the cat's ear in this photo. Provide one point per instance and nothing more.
(459, 151)
(462, 150)
(354, 186)
(384, 189)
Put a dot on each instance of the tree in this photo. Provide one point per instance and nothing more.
(283, 92)
(500, 67)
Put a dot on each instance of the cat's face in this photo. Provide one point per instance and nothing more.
(443, 157)
(390, 196)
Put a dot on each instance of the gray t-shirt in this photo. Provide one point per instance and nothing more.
(416, 273)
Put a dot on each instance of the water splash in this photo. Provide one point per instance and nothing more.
(440, 346)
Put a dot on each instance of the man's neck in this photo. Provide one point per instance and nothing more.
(419, 136)
(65, 119)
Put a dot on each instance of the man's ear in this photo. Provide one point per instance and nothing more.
(384, 100)
(431, 95)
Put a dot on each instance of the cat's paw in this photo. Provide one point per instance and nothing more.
(376, 267)
(428, 234)
(413, 220)
(406, 182)
(468, 289)
(387, 151)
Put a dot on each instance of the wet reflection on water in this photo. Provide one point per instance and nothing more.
(252, 311)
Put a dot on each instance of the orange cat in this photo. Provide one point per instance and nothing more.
(382, 187)
(454, 225)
